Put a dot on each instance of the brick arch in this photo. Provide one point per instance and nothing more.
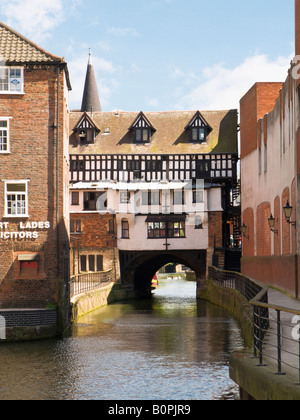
(286, 229)
(249, 239)
(263, 231)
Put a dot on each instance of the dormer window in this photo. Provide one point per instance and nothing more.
(199, 129)
(86, 130)
(142, 128)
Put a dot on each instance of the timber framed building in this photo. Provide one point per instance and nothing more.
(135, 181)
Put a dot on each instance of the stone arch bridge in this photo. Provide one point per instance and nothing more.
(138, 268)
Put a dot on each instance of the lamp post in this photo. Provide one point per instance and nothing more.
(244, 229)
(288, 209)
(272, 221)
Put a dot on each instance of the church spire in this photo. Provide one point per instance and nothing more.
(90, 100)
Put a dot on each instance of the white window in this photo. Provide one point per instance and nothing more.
(16, 199)
(11, 80)
(4, 135)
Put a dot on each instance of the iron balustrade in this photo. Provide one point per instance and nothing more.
(276, 329)
(82, 283)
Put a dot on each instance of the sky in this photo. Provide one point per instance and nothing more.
(162, 55)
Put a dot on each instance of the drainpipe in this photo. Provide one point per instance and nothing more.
(57, 172)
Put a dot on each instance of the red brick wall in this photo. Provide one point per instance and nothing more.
(215, 229)
(95, 231)
(263, 232)
(33, 157)
(286, 229)
(249, 238)
(277, 216)
(259, 100)
(273, 271)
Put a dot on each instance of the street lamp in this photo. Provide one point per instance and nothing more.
(288, 209)
(244, 229)
(272, 221)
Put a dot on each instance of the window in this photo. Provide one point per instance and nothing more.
(83, 263)
(16, 199)
(134, 165)
(157, 230)
(142, 135)
(91, 199)
(125, 229)
(178, 197)
(154, 165)
(124, 197)
(176, 230)
(75, 198)
(198, 196)
(151, 198)
(198, 134)
(75, 226)
(198, 222)
(91, 259)
(91, 263)
(99, 263)
(11, 79)
(77, 165)
(111, 226)
(4, 136)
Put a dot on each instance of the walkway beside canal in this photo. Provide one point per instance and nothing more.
(278, 376)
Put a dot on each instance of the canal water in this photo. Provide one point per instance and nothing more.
(170, 347)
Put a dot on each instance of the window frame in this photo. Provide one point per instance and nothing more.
(125, 231)
(163, 230)
(7, 193)
(5, 119)
(10, 91)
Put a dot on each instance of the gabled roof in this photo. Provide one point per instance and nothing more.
(15, 48)
(199, 116)
(86, 117)
(170, 136)
(143, 117)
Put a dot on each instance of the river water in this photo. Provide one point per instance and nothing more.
(170, 347)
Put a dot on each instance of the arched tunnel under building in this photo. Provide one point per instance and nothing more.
(139, 268)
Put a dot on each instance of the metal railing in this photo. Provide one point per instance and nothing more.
(235, 281)
(276, 329)
(81, 283)
(276, 337)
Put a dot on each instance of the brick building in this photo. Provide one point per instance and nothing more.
(34, 215)
(148, 171)
(269, 178)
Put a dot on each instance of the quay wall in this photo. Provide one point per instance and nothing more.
(234, 302)
(90, 301)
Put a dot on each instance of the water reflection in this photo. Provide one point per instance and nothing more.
(168, 347)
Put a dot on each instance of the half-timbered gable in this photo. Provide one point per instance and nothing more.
(86, 130)
(199, 128)
(142, 128)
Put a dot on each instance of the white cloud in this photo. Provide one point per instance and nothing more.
(219, 87)
(123, 31)
(35, 18)
(103, 70)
